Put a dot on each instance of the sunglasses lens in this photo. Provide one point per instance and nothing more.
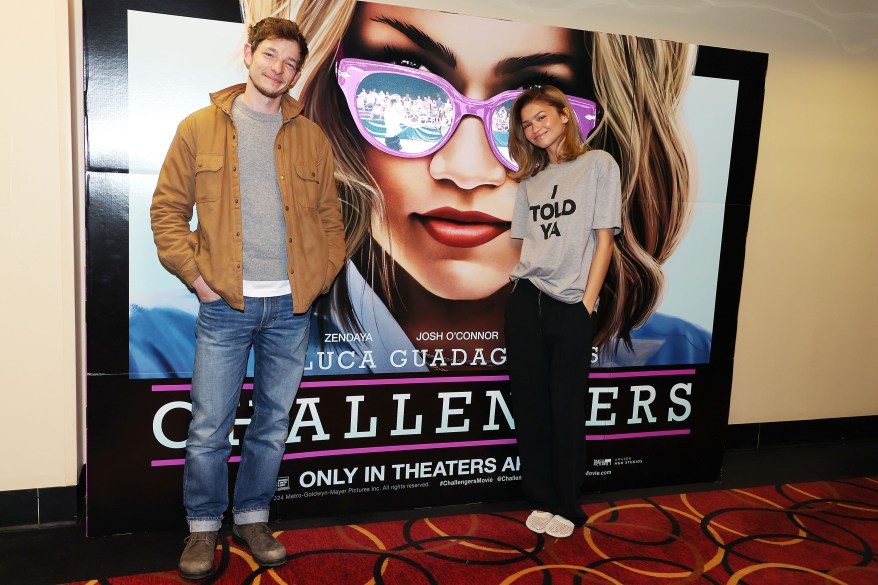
(405, 114)
(500, 130)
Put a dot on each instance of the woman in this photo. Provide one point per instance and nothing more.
(426, 230)
(567, 211)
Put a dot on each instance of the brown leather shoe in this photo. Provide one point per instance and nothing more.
(266, 549)
(196, 562)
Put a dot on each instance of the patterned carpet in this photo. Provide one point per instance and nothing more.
(807, 533)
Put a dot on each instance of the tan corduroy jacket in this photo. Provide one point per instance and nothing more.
(201, 172)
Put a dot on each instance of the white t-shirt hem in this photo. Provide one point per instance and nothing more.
(266, 288)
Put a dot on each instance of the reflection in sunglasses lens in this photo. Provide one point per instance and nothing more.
(405, 114)
(500, 129)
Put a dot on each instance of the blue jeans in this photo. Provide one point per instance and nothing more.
(224, 337)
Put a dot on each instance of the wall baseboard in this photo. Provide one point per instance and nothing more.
(43, 506)
(801, 432)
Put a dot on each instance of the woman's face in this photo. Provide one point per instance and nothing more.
(448, 214)
(544, 126)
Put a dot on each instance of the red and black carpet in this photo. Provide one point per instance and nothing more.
(807, 533)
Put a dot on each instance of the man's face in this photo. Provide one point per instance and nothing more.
(274, 66)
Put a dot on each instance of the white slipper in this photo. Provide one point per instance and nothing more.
(560, 527)
(538, 520)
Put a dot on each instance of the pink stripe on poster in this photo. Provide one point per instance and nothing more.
(387, 448)
(637, 435)
(650, 374)
(428, 446)
(428, 380)
(361, 450)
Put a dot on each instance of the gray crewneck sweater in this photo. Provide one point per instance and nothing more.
(262, 218)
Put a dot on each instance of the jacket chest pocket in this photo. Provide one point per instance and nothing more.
(307, 185)
(208, 177)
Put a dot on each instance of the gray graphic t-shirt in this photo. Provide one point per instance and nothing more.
(556, 213)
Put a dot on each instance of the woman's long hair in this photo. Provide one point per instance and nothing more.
(638, 82)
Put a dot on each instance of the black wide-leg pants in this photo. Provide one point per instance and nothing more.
(548, 345)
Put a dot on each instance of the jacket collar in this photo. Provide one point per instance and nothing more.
(224, 98)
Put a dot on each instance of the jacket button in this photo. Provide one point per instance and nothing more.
(286, 207)
(290, 240)
(234, 137)
(237, 234)
(237, 265)
(281, 177)
(278, 146)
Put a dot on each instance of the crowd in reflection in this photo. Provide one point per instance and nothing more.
(418, 111)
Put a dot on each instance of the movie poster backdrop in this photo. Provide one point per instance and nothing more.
(405, 405)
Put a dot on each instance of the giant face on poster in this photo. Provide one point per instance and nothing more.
(405, 399)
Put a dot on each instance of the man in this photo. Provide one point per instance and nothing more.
(269, 240)
(393, 119)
